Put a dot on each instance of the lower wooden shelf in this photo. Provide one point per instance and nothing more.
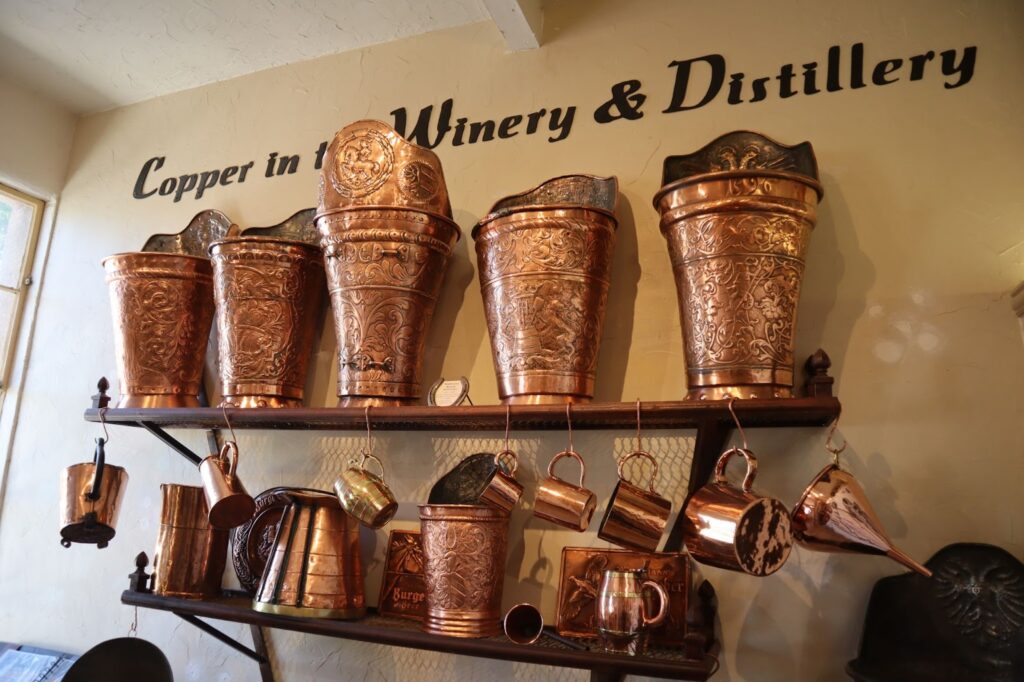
(237, 608)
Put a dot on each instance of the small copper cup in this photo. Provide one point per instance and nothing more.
(230, 505)
(635, 517)
(503, 491)
(737, 529)
(365, 495)
(563, 503)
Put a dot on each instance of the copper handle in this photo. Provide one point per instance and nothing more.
(640, 453)
(748, 480)
(515, 462)
(229, 453)
(366, 456)
(659, 617)
(567, 453)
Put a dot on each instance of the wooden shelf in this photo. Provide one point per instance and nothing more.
(404, 633)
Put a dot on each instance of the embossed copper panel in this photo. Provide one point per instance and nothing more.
(269, 295)
(386, 231)
(162, 306)
(738, 216)
(403, 592)
(205, 228)
(190, 553)
(464, 548)
(545, 264)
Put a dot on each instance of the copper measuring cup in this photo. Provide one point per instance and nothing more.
(735, 528)
(365, 495)
(563, 503)
(635, 518)
(230, 505)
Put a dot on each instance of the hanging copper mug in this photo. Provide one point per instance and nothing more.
(563, 503)
(90, 496)
(622, 616)
(503, 490)
(190, 553)
(230, 505)
(735, 528)
(365, 495)
(738, 215)
(635, 518)
(545, 258)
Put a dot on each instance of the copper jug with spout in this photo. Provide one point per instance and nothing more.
(90, 497)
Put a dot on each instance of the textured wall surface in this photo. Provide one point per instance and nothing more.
(917, 245)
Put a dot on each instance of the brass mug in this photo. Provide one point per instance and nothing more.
(503, 490)
(563, 503)
(230, 505)
(622, 617)
(635, 518)
(737, 529)
(365, 495)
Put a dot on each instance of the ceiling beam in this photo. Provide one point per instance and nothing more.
(520, 22)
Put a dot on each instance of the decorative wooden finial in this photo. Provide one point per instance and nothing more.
(138, 580)
(101, 399)
(818, 383)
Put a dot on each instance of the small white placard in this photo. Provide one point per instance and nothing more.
(449, 393)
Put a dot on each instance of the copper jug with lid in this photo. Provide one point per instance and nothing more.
(90, 496)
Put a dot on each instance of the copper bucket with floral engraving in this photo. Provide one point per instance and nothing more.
(387, 233)
(545, 259)
(269, 294)
(738, 215)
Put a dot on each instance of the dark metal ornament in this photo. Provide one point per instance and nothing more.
(464, 483)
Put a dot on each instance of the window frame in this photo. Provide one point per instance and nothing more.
(24, 279)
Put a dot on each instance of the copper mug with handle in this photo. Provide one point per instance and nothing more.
(636, 518)
(230, 505)
(735, 528)
(563, 503)
(503, 490)
(622, 616)
(365, 495)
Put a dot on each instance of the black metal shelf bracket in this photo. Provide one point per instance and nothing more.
(173, 442)
(221, 637)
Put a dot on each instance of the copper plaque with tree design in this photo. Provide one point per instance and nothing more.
(403, 592)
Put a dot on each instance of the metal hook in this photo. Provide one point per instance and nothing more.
(508, 419)
(369, 439)
(103, 421)
(830, 446)
(227, 420)
(568, 420)
(739, 427)
(639, 443)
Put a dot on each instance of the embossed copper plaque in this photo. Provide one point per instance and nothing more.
(403, 592)
(582, 571)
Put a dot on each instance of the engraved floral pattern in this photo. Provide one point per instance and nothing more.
(464, 564)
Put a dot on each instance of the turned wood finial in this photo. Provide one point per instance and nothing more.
(101, 399)
(138, 580)
(818, 383)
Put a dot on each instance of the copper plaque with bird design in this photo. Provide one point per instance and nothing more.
(582, 568)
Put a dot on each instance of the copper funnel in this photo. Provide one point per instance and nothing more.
(834, 515)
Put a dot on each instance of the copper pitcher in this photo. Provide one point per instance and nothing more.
(622, 616)
(269, 294)
(545, 258)
(315, 569)
(387, 233)
(190, 553)
(162, 305)
(563, 503)
(230, 505)
(738, 215)
(90, 497)
(635, 517)
(464, 549)
(735, 528)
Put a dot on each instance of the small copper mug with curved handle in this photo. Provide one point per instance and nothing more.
(735, 528)
(503, 490)
(365, 495)
(563, 503)
(635, 517)
(230, 505)
(622, 618)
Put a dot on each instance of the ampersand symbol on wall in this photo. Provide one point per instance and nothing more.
(625, 103)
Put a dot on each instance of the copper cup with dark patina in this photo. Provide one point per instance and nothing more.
(545, 260)
(190, 553)
(162, 305)
(738, 216)
(269, 295)
(387, 234)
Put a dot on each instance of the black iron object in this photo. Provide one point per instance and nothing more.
(138, 580)
(964, 624)
(464, 483)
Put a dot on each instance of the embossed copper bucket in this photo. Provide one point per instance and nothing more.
(162, 305)
(190, 553)
(269, 295)
(387, 234)
(738, 215)
(464, 549)
(545, 259)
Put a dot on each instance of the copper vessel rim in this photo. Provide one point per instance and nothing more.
(491, 217)
(588, 176)
(263, 240)
(105, 466)
(158, 254)
(741, 173)
(814, 482)
(390, 207)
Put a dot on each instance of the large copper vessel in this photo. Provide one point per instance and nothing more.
(162, 305)
(738, 215)
(315, 569)
(386, 231)
(464, 549)
(190, 553)
(545, 259)
(269, 294)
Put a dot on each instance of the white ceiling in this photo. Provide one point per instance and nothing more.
(92, 55)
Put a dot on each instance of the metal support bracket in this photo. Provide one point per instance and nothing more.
(170, 440)
(224, 639)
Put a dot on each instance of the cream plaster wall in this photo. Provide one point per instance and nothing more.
(37, 135)
(918, 243)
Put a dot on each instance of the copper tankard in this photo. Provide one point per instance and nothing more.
(503, 490)
(734, 528)
(635, 518)
(365, 495)
(622, 618)
(230, 505)
(562, 502)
